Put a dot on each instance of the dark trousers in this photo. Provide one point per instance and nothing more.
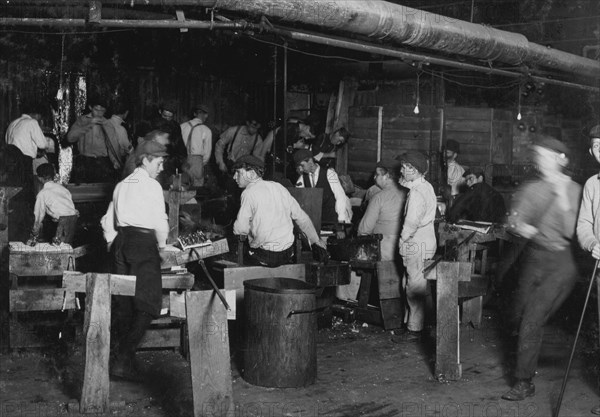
(546, 280)
(136, 253)
(271, 259)
(87, 169)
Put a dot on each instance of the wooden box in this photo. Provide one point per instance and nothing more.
(330, 275)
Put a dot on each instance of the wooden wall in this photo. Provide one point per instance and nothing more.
(490, 138)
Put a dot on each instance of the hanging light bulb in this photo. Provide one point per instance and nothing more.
(416, 109)
(519, 117)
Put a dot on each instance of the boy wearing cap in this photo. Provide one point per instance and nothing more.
(138, 219)
(480, 203)
(544, 213)
(588, 222)
(384, 212)
(336, 205)
(56, 201)
(266, 214)
(417, 239)
(198, 141)
(455, 170)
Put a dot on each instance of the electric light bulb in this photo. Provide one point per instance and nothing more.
(416, 110)
(519, 116)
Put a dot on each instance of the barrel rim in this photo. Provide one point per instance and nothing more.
(254, 284)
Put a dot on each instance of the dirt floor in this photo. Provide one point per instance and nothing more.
(361, 372)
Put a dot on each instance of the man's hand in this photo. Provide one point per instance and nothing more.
(596, 250)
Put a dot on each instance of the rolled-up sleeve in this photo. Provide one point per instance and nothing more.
(343, 207)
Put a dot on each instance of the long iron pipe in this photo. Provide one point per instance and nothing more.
(381, 20)
(293, 34)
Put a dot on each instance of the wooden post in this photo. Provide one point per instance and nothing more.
(209, 354)
(447, 276)
(173, 201)
(96, 329)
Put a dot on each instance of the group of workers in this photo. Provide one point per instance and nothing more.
(548, 213)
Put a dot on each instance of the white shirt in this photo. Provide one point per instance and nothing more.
(343, 207)
(54, 200)
(121, 134)
(201, 138)
(455, 176)
(418, 231)
(266, 213)
(26, 134)
(138, 201)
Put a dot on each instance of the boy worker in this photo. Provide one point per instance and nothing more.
(56, 201)
(588, 222)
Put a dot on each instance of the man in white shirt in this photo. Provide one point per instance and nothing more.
(24, 138)
(336, 206)
(117, 119)
(266, 214)
(417, 239)
(455, 170)
(198, 141)
(137, 214)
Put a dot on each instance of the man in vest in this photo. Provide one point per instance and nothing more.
(239, 141)
(198, 141)
(336, 205)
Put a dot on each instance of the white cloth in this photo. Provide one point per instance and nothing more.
(455, 176)
(26, 134)
(418, 231)
(138, 201)
(201, 139)
(54, 200)
(343, 207)
(266, 214)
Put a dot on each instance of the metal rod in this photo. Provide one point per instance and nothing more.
(127, 23)
(274, 144)
(203, 265)
(284, 105)
(566, 377)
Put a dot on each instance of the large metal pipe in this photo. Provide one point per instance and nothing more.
(293, 34)
(398, 24)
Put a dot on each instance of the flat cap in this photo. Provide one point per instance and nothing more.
(169, 105)
(477, 171)
(45, 171)
(552, 144)
(250, 160)
(595, 132)
(301, 155)
(201, 107)
(452, 145)
(150, 147)
(416, 159)
(388, 164)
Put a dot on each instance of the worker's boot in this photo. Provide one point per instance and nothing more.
(124, 364)
(522, 389)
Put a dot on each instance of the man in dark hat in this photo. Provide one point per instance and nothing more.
(455, 170)
(266, 215)
(198, 142)
(588, 222)
(336, 205)
(479, 203)
(544, 212)
(137, 221)
(385, 210)
(417, 239)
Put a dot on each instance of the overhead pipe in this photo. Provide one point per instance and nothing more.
(292, 34)
(384, 21)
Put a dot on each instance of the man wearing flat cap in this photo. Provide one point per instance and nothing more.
(266, 215)
(198, 142)
(455, 170)
(136, 228)
(417, 239)
(544, 213)
(588, 222)
(385, 210)
(336, 207)
(479, 203)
